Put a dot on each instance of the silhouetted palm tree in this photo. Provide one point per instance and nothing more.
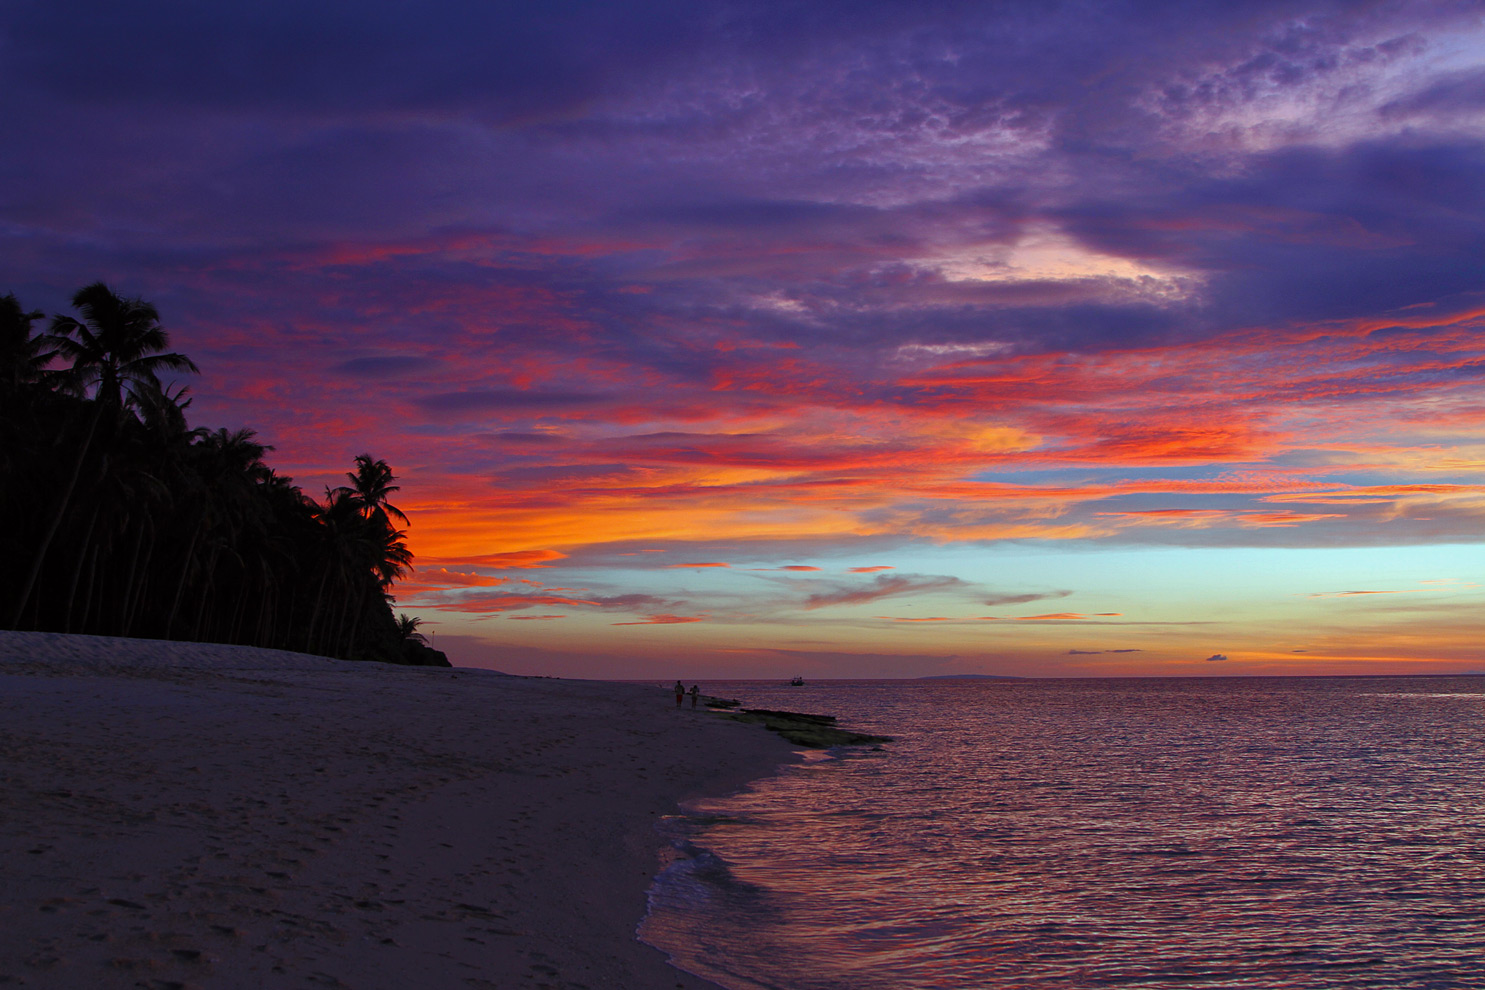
(371, 485)
(407, 626)
(22, 356)
(117, 350)
(149, 527)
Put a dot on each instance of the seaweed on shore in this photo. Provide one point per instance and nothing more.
(803, 729)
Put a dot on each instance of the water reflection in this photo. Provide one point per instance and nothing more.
(1233, 833)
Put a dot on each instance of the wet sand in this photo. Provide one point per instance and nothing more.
(183, 815)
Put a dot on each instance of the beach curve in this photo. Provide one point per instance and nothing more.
(194, 815)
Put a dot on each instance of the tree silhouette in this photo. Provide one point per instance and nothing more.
(149, 527)
(371, 484)
(407, 626)
(117, 349)
(22, 356)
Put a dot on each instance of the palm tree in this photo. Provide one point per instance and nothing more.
(22, 356)
(118, 351)
(371, 484)
(228, 470)
(407, 626)
(23, 359)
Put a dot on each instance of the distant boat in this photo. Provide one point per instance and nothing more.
(797, 681)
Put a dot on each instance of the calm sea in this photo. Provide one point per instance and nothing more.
(1220, 833)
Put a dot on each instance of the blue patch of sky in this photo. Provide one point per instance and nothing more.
(1084, 474)
(1190, 583)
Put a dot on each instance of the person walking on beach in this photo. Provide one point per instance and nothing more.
(680, 692)
(695, 693)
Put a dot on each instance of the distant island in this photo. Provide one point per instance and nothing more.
(970, 677)
(122, 520)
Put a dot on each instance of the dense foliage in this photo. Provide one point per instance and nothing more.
(119, 519)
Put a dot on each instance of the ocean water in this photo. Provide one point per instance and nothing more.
(1219, 833)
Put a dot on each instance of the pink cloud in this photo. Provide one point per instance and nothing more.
(1349, 594)
(661, 620)
(929, 618)
(485, 604)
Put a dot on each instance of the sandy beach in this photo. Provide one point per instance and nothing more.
(180, 815)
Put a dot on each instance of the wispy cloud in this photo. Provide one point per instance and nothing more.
(662, 620)
(723, 297)
(1025, 598)
(882, 586)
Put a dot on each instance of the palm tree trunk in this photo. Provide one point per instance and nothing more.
(141, 591)
(180, 588)
(209, 583)
(82, 558)
(92, 587)
(56, 520)
(127, 598)
(314, 619)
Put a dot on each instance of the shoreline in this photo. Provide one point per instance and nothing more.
(195, 815)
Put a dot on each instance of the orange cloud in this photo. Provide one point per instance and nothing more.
(511, 559)
(929, 618)
(426, 579)
(1059, 616)
(489, 604)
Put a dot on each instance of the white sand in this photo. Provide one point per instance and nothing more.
(183, 815)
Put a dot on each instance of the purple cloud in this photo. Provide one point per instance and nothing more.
(881, 586)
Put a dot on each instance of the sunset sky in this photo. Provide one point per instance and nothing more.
(839, 339)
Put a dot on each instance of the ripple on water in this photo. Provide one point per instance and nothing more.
(1234, 833)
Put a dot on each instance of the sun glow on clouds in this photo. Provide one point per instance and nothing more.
(1044, 254)
(720, 323)
(662, 620)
